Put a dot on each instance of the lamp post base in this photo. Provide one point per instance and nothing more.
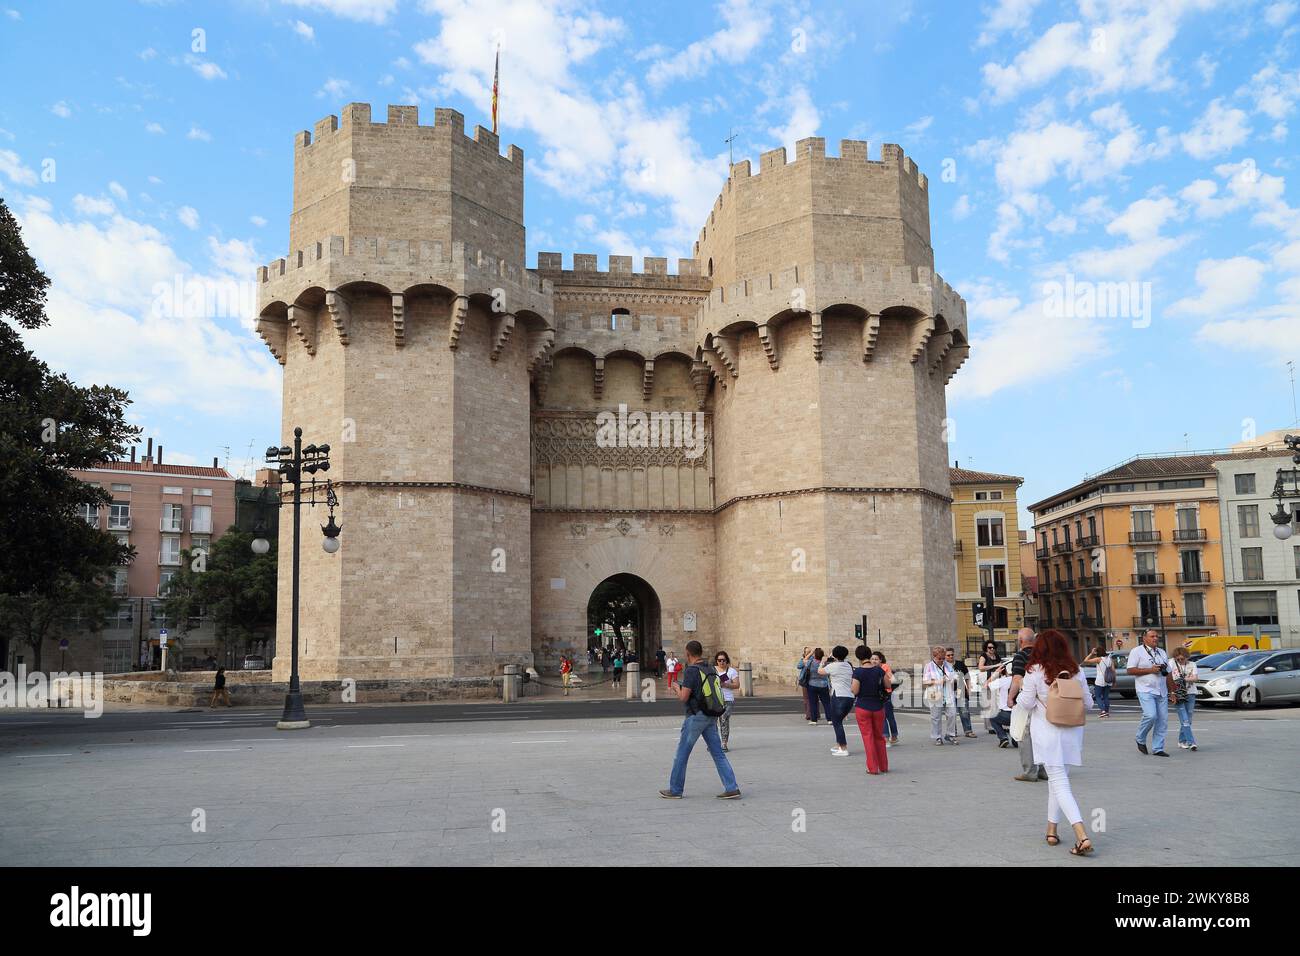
(294, 716)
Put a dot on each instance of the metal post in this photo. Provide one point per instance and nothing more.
(632, 680)
(746, 671)
(295, 717)
(510, 684)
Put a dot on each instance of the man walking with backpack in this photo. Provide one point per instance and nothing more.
(701, 694)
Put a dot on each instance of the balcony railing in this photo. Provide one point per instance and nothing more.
(1087, 620)
(1063, 547)
(1173, 623)
(168, 558)
(1193, 577)
(1066, 585)
(119, 524)
(1041, 553)
(171, 526)
(956, 548)
(1189, 534)
(1148, 577)
(1090, 581)
(205, 527)
(1044, 586)
(1089, 541)
(1143, 537)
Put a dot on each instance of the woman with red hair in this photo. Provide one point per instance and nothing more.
(1057, 745)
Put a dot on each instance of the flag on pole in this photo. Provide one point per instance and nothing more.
(496, 75)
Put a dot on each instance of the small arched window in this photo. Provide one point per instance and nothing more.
(710, 266)
(613, 318)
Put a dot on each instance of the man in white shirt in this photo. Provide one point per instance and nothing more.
(1150, 666)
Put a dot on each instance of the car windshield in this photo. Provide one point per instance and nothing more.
(1243, 662)
(1214, 660)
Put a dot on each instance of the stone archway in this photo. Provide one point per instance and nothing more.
(626, 609)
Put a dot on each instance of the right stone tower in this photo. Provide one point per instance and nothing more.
(829, 340)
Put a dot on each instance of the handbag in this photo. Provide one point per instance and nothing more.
(1019, 723)
(1065, 707)
(932, 696)
(804, 673)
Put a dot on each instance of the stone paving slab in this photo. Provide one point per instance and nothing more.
(585, 792)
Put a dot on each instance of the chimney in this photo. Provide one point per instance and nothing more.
(148, 454)
(957, 463)
(214, 461)
(160, 454)
(133, 453)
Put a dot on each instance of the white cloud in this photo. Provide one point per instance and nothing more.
(962, 207)
(364, 11)
(914, 130)
(802, 120)
(1277, 14)
(1274, 92)
(1258, 334)
(11, 166)
(1216, 131)
(1207, 68)
(1006, 15)
(205, 68)
(118, 190)
(1049, 55)
(101, 308)
(304, 30)
(747, 25)
(148, 53)
(1133, 262)
(334, 88)
(258, 221)
(189, 217)
(1225, 284)
(196, 133)
(1144, 218)
(93, 206)
(155, 128)
(1246, 186)
(61, 109)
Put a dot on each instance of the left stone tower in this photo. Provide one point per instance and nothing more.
(409, 329)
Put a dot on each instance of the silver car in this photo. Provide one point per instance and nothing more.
(1251, 679)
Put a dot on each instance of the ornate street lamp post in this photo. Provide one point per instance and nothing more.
(1287, 485)
(293, 463)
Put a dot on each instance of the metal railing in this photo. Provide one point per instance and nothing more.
(1189, 534)
(1143, 537)
(1148, 577)
(1193, 577)
(1090, 581)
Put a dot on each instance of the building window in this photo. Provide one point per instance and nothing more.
(1194, 610)
(89, 513)
(994, 576)
(614, 319)
(1092, 526)
(171, 550)
(1256, 607)
(1187, 518)
(165, 579)
(119, 516)
(172, 518)
(200, 542)
(120, 581)
(1144, 521)
(1248, 520)
(1252, 564)
(988, 532)
(201, 519)
(995, 496)
(202, 492)
(1296, 552)
(1245, 484)
(172, 490)
(117, 487)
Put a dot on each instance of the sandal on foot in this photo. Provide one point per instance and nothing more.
(1053, 839)
(1082, 848)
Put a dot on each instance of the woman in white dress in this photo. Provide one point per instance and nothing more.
(1056, 747)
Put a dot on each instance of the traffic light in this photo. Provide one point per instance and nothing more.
(857, 631)
(977, 613)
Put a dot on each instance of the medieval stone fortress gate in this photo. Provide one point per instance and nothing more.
(461, 392)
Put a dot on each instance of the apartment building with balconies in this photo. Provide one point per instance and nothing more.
(986, 552)
(160, 510)
(1139, 545)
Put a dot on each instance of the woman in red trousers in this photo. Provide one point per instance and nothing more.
(871, 685)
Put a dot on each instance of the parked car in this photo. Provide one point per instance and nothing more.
(1251, 679)
(254, 662)
(1209, 662)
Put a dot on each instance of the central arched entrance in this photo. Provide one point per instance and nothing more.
(625, 609)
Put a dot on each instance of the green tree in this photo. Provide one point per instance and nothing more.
(182, 600)
(238, 589)
(67, 606)
(48, 425)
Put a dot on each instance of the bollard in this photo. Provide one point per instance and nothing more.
(510, 684)
(746, 679)
(632, 680)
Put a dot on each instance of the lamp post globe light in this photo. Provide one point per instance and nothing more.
(1286, 486)
(293, 463)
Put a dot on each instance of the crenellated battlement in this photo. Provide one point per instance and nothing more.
(585, 269)
(404, 121)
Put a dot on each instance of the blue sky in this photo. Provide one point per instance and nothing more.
(1104, 141)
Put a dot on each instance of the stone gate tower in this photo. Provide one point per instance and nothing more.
(808, 341)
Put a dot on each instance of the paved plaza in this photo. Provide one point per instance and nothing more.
(560, 787)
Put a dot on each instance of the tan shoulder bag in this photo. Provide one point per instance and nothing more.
(1065, 702)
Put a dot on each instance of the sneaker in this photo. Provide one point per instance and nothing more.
(1183, 746)
(729, 795)
(1003, 744)
(1160, 753)
(1142, 748)
(813, 722)
(1192, 747)
(725, 750)
(669, 795)
(839, 753)
(938, 743)
(894, 741)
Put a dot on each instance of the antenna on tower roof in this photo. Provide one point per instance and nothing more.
(731, 157)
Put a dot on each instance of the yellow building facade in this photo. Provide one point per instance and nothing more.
(986, 552)
(1132, 548)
